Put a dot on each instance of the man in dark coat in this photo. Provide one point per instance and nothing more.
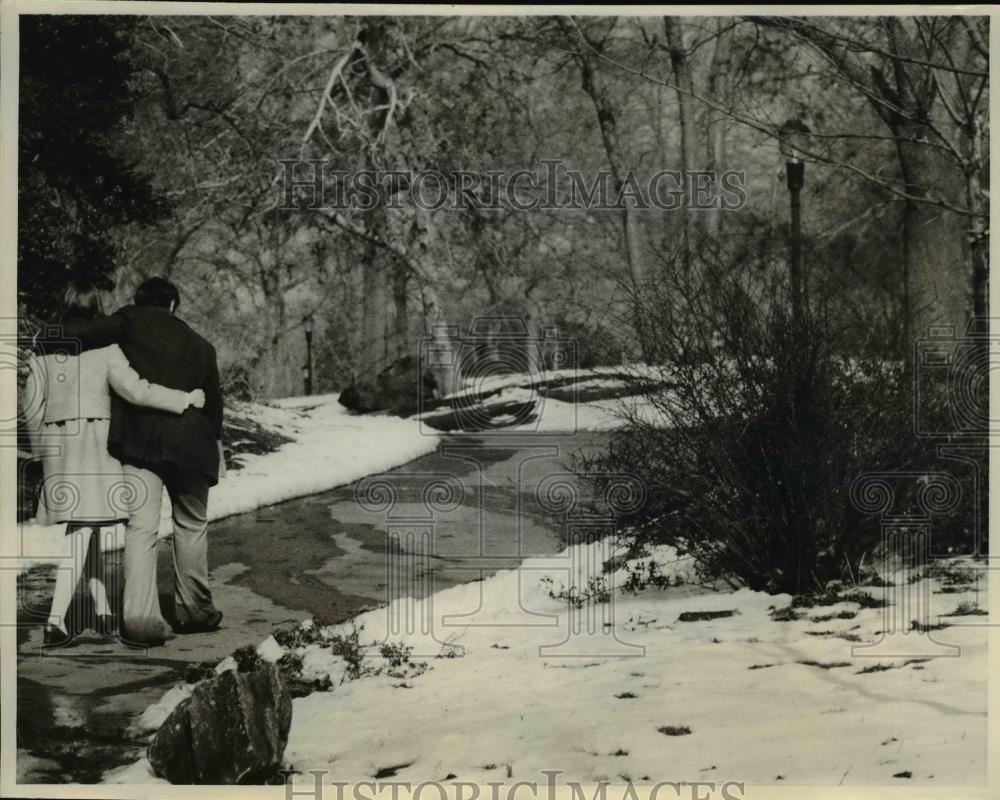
(159, 450)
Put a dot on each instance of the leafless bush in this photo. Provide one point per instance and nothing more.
(759, 426)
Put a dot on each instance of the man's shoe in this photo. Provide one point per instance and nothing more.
(142, 634)
(212, 623)
(141, 644)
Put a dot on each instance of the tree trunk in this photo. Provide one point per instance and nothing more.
(375, 305)
(401, 319)
(608, 122)
(935, 283)
(376, 292)
(685, 90)
(439, 351)
(714, 133)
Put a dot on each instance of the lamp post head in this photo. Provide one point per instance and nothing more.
(792, 137)
(308, 322)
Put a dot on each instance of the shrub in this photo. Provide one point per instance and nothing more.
(761, 426)
(596, 592)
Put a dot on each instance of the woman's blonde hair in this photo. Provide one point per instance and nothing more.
(81, 300)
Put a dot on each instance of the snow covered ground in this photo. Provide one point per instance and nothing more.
(605, 377)
(330, 448)
(745, 697)
(561, 416)
(518, 681)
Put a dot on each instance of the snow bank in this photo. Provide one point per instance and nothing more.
(330, 448)
(591, 377)
(743, 697)
(645, 695)
(559, 416)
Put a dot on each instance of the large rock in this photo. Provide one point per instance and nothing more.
(233, 729)
(401, 388)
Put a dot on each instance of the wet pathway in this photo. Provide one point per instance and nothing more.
(326, 556)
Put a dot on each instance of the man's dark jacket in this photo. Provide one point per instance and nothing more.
(163, 350)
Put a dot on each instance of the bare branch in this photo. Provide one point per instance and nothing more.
(331, 80)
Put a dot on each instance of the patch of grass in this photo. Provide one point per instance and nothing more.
(920, 627)
(824, 665)
(850, 637)
(400, 664)
(674, 730)
(388, 772)
(242, 435)
(361, 659)
(875, 668)
(838, 615)
(199, 671)
(760, 666)
(701, 616)
(626, 696)
(639, 579)
(968, 609)
(950, 575)
(870, 577)
(596, 592)
(829, 598)
(785, 614)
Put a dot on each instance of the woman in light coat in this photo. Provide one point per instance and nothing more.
(67, 409)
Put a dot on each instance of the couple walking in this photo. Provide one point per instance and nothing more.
(120, 408)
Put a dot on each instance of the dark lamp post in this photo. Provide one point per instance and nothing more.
(793, 136)
(307, 369)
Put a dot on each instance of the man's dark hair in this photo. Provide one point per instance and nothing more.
(157, 292)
